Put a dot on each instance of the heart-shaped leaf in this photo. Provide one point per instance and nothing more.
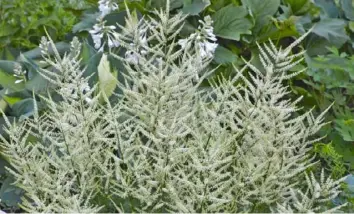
(230, 22)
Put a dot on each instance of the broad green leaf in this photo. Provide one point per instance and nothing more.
(316, 45)
(23, 107)
(218, 4)
(37, 83)
(11, 100)
(3, 162)
(344, 148)
(156, 4)
(7, 66)
(87, 21)
(10, 194)
(334, 72)
(351, 26)
(299, 7)
(230, 22)
(346, 129)
(281, 29)
(261, 11)
(194, 7)
(120, 17)
(223, 55)
(87, 52)
(8, 30)
(328, 8)
(348, 8)
(107, 80)
(332, 30)
(91, 68)
(6, 54)
(8, 81)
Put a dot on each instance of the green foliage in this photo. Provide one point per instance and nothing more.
(334, 161)
(230, 22)
(166, 145)
(239, 24)
(22, 22)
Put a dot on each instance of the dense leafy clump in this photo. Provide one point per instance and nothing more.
(22, 22)
(163, 143)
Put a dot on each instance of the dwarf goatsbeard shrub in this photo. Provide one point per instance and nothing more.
(167, 144)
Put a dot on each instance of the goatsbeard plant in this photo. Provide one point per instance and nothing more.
(167, 144)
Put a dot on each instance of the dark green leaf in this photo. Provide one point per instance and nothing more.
(332, 30)
(7, 66)
(328, 7)
(10, 194)
(346, 129)
(230, 22)
(194, 7)
(23, 108)
(261, 11)
(299, 6)
(7, 79)
(87, 21)
(348, 8)
(223, 55)
(157, 4)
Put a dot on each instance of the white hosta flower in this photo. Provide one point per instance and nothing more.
(317, 190)
(85, 87)
(112, 43)
(19, 81)
(99, 31)
(137, 48)
(205, 39)
(207, 28)
(209, 48)
(183, 43)
(131, 57)
(44, 45)
(69, 91)
(19, 73)
(106, 6)
(18, 70)
(97, 35)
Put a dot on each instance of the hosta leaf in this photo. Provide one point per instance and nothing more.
(7, 66)
(230, 22)
(194, 7)
(348, 8)
(332, 30)
(8, 30)
(10, 194)
(87, 52)
(328, 7)
(7, 54)
(86, 23)
(299, 6)
(11, 100)
(152, 4)
(23, 108)
(7, 80)
(223, 55)
(107, 80)
(261, 10)
(346, 129)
